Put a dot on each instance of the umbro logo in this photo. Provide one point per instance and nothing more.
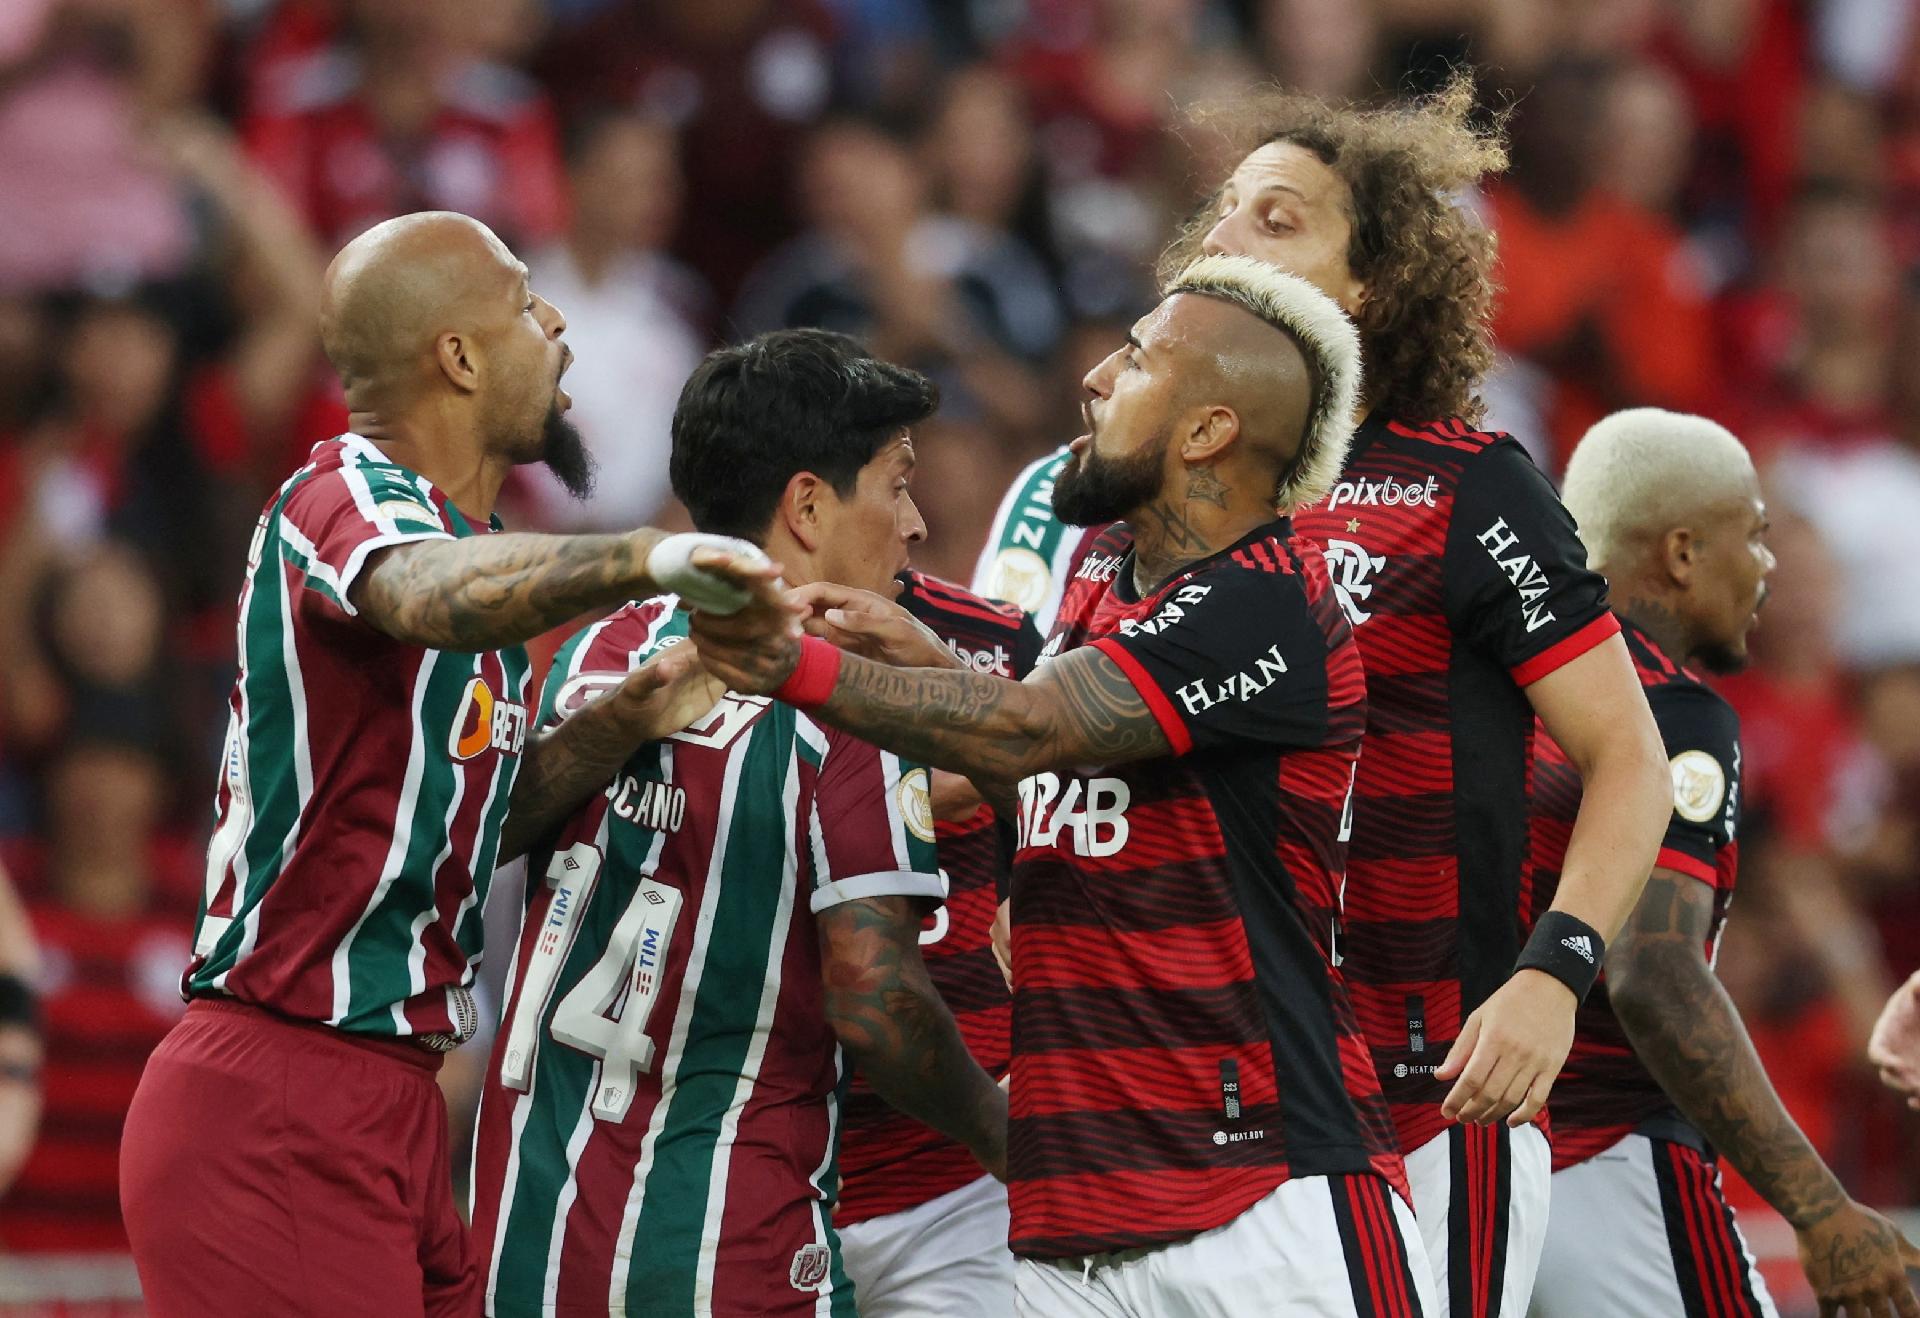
(1580, 943)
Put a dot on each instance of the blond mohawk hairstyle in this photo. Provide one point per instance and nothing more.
(1326, 339)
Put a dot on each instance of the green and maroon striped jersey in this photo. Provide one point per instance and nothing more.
(364, 781)
(1030, 553)
(659, 1129)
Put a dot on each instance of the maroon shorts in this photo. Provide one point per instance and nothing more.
(272, 1167)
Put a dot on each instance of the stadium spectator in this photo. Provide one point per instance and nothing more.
(742, 80)
(1590, 278)
(982, 161)
(83, 200)
(640, 316)
(402, 116)
(22, 1051)
(966, 304)
(1834, 416)
(106, 896)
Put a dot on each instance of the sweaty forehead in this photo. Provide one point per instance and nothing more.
(1287, 165)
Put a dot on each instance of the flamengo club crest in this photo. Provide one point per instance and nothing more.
(1349, 565)
(810, 1267)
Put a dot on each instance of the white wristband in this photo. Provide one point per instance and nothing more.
(672, 568)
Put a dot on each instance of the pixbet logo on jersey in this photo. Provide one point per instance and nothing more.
(1386, 493)
(486, 722)
(996, 662)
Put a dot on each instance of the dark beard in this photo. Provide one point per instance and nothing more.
(564, 453)
(1720, 660)
(1092, 491)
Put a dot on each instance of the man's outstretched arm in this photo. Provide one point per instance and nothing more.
(897, 1030)
(1081, 708)
(488, 591)
(1688, 1033)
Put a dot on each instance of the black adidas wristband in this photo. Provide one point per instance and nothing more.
(1566, 947)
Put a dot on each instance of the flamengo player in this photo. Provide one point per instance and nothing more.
(1662, 1079)
(1474, 610)
(924, 1231)
(286, 1151)
(1196, 1126)
(742, 902)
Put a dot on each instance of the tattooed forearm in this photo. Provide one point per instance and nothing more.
(1687, 1031)
(563, 767)
(898, 1032)
(487, 591)
(1082, 709)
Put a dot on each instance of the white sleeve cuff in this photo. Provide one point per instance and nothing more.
(358, 559)
(889, 883)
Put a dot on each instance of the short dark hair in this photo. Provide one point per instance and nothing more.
(755, 415)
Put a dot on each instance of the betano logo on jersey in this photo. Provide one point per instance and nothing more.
(486, 722)
(1093, 811)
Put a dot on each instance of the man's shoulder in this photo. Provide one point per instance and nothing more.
(1453, 449)
(348, 468)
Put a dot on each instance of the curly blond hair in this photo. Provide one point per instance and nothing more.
(1426, 261)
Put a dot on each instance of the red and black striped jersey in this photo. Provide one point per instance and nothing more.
(1183, 1042)
(888, 1161)
(110, 992)
(1465, 582)
(1604, 1093)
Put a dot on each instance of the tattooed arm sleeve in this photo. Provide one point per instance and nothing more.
(1688, 1033)
(1080, 709)
(898, 1032)
(488, 591)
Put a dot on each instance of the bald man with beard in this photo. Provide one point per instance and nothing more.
(286, 1152)
(1662, 1084)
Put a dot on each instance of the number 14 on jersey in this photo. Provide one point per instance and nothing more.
(604, 1015)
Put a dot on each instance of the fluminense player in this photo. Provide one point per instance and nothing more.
(1196, 1125)
(1475, 610)
(735, 919)
(286, 1151)
(1662, 1081)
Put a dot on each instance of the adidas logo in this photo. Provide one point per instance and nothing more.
(1580, 943)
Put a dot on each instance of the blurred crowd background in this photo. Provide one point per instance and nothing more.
(1712, 207)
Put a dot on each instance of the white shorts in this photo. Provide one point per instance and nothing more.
(1480, 1194)
(1326, 1246)
(1645, 1228)
(948, 1256)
